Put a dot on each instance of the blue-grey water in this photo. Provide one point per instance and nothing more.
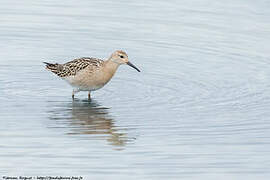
(200, 108)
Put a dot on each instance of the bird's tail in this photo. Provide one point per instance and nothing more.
(55, 68)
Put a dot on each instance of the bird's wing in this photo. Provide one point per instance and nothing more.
(73, 67)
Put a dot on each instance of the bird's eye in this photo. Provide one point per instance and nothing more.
(121, 56)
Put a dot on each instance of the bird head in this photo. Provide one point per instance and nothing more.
(120, 57)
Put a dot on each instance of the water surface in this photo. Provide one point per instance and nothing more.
(199, 109)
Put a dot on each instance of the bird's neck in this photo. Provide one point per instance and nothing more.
(111, 67)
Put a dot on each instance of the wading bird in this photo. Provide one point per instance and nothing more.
(89, 74)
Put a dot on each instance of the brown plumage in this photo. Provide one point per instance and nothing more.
(73, 67)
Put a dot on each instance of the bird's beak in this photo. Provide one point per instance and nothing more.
(131, 65)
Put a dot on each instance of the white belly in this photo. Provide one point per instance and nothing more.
(84, 81)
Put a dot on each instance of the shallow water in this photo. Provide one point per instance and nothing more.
(199, 109)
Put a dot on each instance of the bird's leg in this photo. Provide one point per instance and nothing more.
(73, 95)
(89, 95)
(74, 92)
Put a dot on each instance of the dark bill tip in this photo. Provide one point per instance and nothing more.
(131, 65)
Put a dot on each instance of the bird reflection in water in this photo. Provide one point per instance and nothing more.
(89, 118)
